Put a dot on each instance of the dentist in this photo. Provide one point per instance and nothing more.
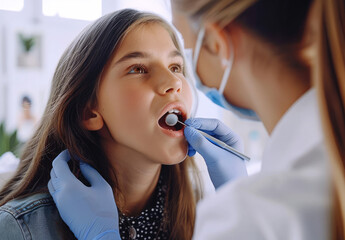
(281, 62)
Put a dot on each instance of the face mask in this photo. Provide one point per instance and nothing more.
(216, 96)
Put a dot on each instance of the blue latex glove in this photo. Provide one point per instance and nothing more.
(90, 212)
(222, 165)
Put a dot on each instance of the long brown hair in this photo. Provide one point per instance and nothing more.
(330, 83)
(74, 88)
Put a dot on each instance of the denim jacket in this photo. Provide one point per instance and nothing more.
(32, 217)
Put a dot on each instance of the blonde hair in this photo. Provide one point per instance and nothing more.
(222, 11)
(330, 83)
(74, 88)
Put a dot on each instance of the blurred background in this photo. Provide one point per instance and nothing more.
(33, 36)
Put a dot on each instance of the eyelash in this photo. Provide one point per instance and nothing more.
(142, 67)
(180, 67)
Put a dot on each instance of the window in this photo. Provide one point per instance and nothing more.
(75, 9)
(12, 5)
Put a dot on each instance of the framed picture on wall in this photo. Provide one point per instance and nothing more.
(29, 50)
(2, 51)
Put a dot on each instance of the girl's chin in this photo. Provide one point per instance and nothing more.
(177, 159)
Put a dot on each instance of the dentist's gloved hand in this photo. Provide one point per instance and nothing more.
(90, 212)
(222, 165)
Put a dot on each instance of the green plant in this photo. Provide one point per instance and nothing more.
(28, 42)
(8, 141)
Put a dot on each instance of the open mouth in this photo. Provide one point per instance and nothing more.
(177, 126)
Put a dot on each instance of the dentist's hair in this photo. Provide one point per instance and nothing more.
(74, 89)
(281, 23)
(330, 83)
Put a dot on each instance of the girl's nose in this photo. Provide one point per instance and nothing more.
(168, 82)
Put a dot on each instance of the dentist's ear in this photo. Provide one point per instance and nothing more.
(218, 42)
(92, 120)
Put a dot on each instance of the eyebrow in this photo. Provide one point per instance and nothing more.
(132, 55)
(175, 53)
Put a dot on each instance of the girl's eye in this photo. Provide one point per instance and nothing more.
(176, 68)
(137, 69)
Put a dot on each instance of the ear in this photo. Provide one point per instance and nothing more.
(217, 41)
(310, 38)
(92, 120)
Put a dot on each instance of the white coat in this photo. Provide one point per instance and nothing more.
(289, 199)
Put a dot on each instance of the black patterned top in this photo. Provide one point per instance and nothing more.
(149, 224)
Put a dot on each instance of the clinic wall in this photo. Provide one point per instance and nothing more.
(55, 35)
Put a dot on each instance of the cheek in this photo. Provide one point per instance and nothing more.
(133, 104)
(187, 95)
(131, 98)
(122, 107)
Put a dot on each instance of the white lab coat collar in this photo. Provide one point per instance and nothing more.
(285, 147)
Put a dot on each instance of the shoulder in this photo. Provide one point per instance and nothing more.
(21, 206)
(31, 217)
(9, 226)
(279, 205)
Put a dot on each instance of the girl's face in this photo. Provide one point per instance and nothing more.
(140, 84)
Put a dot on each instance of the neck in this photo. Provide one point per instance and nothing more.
(284, 90)
(137, 178)
(270, 83)
(273, 91)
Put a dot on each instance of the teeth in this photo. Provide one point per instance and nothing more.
(174, 111)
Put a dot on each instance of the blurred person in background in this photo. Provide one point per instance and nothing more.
(26, 120)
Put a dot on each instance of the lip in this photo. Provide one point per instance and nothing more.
(173, 105)
(171, 133)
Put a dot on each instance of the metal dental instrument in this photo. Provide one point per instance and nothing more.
(172, 119)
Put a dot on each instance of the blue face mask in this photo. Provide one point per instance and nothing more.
(216, 96)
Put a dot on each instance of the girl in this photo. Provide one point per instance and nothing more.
(111, 91)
